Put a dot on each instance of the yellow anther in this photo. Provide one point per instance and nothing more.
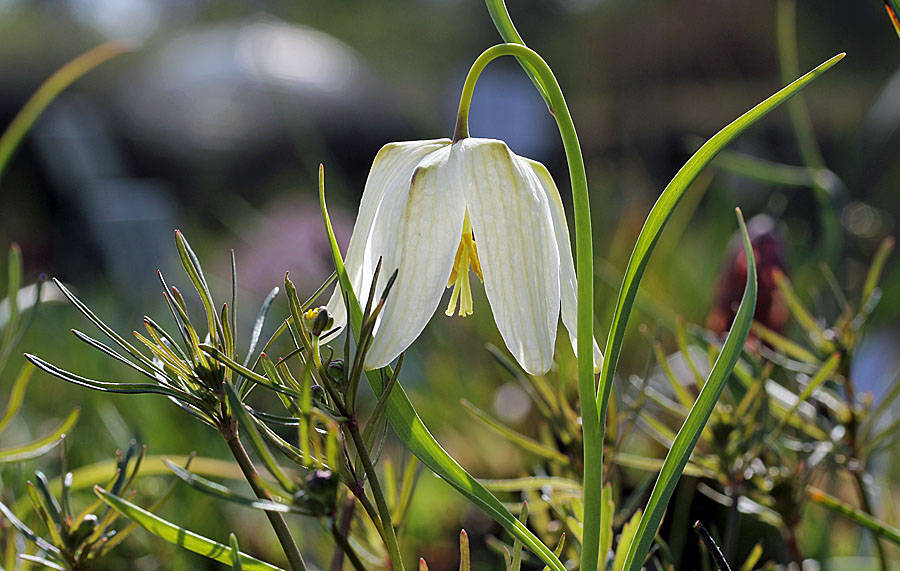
(466, 259)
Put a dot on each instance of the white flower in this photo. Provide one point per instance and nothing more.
(425, 206)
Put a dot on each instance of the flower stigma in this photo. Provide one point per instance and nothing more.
(466, 258)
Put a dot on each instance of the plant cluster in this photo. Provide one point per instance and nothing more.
(757, 422)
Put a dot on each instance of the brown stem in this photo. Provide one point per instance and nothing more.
(295, 559)
(340, 529)
(794, 547)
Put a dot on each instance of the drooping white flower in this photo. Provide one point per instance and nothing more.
(436, 209)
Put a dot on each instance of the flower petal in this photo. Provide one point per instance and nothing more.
(386, 185)
(568, 284)
(519, 257)
(427, 229)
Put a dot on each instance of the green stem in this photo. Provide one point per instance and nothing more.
(384, 512)
(789, 65)
(295, 559)
(591, 426)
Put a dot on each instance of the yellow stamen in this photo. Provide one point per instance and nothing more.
(466, 258)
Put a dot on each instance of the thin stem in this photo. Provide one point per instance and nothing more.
(295, 559)
(866, 505)
(858, 470)
(789, 64)
(592, 428)
(384, 512)
(340, 529)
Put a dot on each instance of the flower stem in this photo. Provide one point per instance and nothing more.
(591, 427)
(340, 529)
(295, 559)
(384, 513)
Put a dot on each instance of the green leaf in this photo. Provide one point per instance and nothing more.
(17, 396)
(14, 282)
(803, 316)
(223, 492)
(415, 435)
(217, 355)
(465, 563)
(235, 553)
(260, 321)
(533, 483)
(625, 540)
(689, 434)
(195, 273)
(516, 564)
(788, 347)
(180, 536)
(824, 373)
(41, 446)
(259, 445)
(858, 516)
(42, 561)
(873, 276)
(125, 388)
(520, 440)
(48, 91)
(662, 211)
(753, 558)
(606, 524)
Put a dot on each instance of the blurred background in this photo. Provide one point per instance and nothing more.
(217, 123)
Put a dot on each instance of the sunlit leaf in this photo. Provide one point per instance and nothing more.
(41, 446)
(690, 431)
(48, 91)
(180, 536)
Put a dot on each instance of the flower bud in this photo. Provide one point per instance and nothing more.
(318, 320)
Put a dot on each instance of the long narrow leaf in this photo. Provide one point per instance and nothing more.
(662, 211)
(180, 536)
(858, 516)
(48, 91)
(517, 438)
(690, 431)
(413, 432)
(17, 396)
(41, 446)
(125, 388)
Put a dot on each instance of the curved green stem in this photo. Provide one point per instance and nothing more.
(509, 33)
(593, 435)
(789, 65)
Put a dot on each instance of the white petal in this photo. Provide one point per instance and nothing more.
(427, 228)
(518, 253)
(568, 286)
(388, 181)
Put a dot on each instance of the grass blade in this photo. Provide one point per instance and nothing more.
(48, 91)
(520, 440)
(41, 446)
(858, 516)
(17, 396)
(689, 433)
(14, 282)
(180, 536)
(662, 211)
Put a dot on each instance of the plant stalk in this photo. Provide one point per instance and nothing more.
(591, 424)
(384, 512)
(340, 528)
(295, 559)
